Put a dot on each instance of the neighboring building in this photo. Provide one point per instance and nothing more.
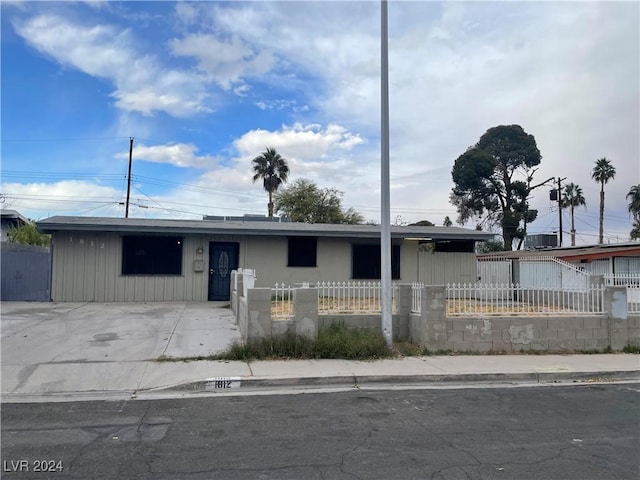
(116, 260)
(8, 219)
(603, 259)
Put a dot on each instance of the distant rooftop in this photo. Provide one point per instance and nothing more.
(13, 215)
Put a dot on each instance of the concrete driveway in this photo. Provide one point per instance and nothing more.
(106, 336)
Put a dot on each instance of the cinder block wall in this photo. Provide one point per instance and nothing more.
(512, 334)
(370, 322)
(253, 314)
(434, 330)
(633, 330)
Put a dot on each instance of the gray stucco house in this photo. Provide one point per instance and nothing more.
(118, 260)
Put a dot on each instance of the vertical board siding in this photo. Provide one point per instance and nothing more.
(496, 272)
(88, 267)
(441, 268)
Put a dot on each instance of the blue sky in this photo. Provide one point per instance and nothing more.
(203, 87)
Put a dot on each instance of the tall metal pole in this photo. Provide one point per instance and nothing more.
(385, 223)
(560, 206)
(126, 208)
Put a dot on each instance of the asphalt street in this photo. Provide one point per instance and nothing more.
(577, 432)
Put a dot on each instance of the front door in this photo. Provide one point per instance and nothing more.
(223, 258)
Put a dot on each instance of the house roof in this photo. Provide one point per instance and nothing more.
(152, 225)
(14, 216)
(582, 253)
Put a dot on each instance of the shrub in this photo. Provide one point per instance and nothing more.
(333, 342)
(339, 342)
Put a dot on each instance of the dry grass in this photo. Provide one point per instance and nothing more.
(332, 305)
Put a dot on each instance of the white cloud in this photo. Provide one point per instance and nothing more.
(299, 141)
(281, 104)
(108, 52)
(176, 154)
(224, 62)
(67, 197)
(186, 13)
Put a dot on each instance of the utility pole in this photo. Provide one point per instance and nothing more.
(385, 206)
(560, 206)
(126, 208)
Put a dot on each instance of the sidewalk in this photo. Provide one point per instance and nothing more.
(92, 351)
(133, 379)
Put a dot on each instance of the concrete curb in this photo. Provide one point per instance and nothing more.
(356, 380)
(252, 384)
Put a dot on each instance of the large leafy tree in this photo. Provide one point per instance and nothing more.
(634, 209)
(273, 170)
(602, 172)
(304, 201)
(573, 197)
(492, 181)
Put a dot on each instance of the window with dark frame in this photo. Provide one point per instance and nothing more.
(365, 261)
(302, 252)
(147, 255)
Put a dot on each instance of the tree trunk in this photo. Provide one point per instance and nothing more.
(601, 235)
(508, 239)
(270, 205)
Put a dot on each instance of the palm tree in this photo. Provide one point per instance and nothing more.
(602, 173)
(273, 170)
(634, 201)
(571, 198)
(634, 209)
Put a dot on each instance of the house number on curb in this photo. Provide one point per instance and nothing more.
(218, 383)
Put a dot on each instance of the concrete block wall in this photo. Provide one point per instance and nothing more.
(253, 314)
(513, 334)
(371, 322)
(633, 330)
(435, 331)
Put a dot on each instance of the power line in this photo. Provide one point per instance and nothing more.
(77, 139)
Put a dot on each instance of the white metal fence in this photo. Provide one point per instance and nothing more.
(334, 298)
(487, 299)
(416, 297)
(352, 297)
(551, 272)
(533, 272)
(281, 301)
(632, 282)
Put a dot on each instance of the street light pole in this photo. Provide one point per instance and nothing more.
(385, 222)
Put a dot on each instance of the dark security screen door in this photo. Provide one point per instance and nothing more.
(223, 258)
